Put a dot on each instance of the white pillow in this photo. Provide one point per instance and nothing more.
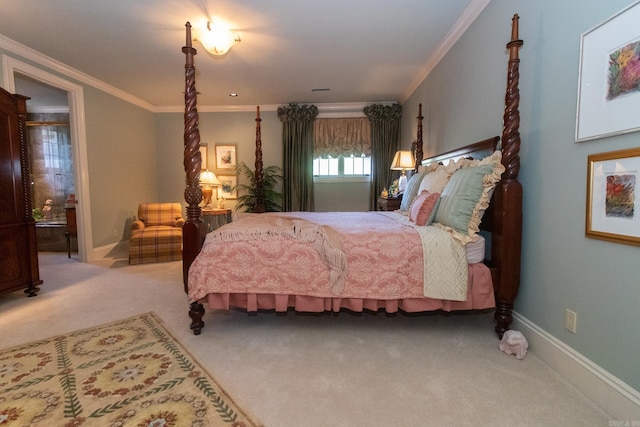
(436, 180)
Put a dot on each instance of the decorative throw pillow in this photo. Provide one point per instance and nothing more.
(422, 208)
(436, 179)
(467, 195)
(411, 191)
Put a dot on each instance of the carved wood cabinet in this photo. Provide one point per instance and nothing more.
(19, 257)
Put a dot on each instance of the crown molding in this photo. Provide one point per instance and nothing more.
(57, 66)
(325, 110)
(344, 109)
(459, 28)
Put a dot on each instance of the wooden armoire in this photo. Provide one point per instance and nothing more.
(18, 250)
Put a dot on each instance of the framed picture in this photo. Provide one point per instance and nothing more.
(609, 80)
(226, 156)
(204, 154)
(227, 187)
(613, 191)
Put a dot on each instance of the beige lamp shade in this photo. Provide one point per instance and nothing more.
(403, 160)
(208, 178)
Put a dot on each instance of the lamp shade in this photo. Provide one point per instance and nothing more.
(208, 178)
(403, 160)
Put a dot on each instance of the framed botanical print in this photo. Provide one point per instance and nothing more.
(226, 156)
(227, 189)
(613, 191)
(609, 79)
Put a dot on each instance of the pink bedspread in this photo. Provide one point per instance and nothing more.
(384, 263)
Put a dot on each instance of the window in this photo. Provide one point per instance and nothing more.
(342, 166)
(342, 148)
(51, 148)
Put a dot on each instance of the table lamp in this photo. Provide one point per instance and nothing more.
(403, 160)
(208, 180)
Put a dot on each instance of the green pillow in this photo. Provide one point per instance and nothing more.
(411, 191)
(457, 206)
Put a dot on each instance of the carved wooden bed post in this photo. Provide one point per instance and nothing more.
(508, 197)
(419, 142)
(259, 174)
(193, 229)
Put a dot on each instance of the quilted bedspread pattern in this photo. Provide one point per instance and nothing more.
(384, 258)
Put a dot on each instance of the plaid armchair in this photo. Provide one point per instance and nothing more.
(156, 235)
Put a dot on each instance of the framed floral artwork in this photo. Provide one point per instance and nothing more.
(613, 191)
(227, 189)
(609, 78)
(226, 156)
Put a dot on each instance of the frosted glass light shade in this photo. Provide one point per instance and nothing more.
(216, 39)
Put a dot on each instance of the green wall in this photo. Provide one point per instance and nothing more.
(215, 128)
(463, 102)
(239, 128)
(122, 160)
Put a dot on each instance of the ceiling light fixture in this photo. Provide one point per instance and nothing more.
(217, 39)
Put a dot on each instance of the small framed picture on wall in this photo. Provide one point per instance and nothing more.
(227, 189)
(613, 193)
(609, 81)
(226, 156)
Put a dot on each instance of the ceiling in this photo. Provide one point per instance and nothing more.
(361, 50)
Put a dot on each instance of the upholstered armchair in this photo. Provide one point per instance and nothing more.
(156, 235)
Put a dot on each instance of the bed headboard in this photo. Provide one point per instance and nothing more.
(478, 150)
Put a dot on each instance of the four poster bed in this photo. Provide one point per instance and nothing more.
(395, 261)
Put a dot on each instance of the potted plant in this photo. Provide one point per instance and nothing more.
(248, 194)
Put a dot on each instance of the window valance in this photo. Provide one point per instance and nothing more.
(342, 136)
(297, 113)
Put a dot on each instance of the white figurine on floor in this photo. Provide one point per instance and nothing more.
(513, 342)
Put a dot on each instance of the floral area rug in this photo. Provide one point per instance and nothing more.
(126, 373)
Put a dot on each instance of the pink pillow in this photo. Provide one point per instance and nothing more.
(422, 206)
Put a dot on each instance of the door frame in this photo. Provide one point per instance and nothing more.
(75, 95)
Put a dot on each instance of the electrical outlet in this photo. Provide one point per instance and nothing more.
(570, 320)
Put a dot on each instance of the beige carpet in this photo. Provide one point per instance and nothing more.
(128, 372)
(293, 370)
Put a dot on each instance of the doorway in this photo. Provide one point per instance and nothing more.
(51, 163)
(17, 72)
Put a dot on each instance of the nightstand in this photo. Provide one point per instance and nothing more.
(215, 218)
(389, 203)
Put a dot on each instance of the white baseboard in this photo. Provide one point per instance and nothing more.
(114, 250)
(615, 397)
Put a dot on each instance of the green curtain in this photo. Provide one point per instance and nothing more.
(297, 143)
(385, 141)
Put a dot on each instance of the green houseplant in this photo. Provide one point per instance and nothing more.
(248, 193)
